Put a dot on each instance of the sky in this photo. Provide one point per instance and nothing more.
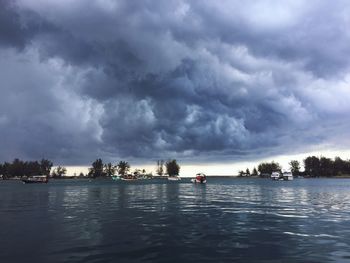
(213, 84)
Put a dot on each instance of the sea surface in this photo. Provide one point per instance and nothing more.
(227, 220)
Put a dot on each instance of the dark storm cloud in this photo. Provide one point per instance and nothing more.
(16, 29)
(197, 80)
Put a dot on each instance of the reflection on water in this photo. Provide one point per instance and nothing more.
(157, 221)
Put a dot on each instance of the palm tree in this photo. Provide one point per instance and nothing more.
(123, 167)
(172, 168)
(109, 169)
(97, 168)
(160, 164)
(59, 171)
(45, 167)
(294, 167)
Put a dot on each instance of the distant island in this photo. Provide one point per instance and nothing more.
(313, 167)
(18, 169)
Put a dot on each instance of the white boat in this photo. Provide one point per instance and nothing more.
(276, 176)
(128, 177)
(200, 179)
(288, 176)
(174, 178)
(36, 179)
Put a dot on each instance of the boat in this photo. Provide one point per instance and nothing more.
(174, 178)
(128, 177)
(200, 179)
(275, 176)
(285, 176)
(116, 177)
(288, 176)
(36, 179)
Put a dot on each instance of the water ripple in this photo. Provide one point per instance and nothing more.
(224, 221)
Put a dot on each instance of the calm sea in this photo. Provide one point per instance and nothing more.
(227, 220)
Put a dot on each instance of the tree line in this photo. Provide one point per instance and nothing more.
(172, 168)
(19, 168)
(99, 169)
(313, 167)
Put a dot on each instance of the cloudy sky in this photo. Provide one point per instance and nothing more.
(201, 81)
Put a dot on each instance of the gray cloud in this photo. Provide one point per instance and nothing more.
(186, 79)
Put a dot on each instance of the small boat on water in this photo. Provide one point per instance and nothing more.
(200, 179)
(288, 176)
(37, 179)
(174, 178)
(116, 177)
(129, 177)
(276, 176)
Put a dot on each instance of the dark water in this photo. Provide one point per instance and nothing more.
(227, 220)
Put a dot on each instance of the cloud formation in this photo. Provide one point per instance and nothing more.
(195, 80)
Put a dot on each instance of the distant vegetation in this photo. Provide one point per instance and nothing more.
(313, 167)
(323, 166)
(19, 168)
(123, 168)
(268, 168)
(99, 169)
(160, 169)
(172, 168)
(59, 172)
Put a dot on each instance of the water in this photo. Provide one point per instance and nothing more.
(227, 220)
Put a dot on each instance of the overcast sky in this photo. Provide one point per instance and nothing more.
(200, 81)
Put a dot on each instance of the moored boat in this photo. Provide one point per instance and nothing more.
(276, 176)
(128, 177)
(200, 179)
(285, 176)
(115, 177)
(36, 179)
(288, 176)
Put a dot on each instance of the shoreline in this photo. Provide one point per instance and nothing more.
(227, 177)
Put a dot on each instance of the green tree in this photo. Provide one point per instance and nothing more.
(97, 168)
(109, 169)
(247, 172)
(294, 167)
(59, 171)
(17, 168)
(45, 167)
(312, 166)
(255, 172)
(21, 168)
(32, 168)
(326, 167)
(339, 166)
(123, 167)
(268, 168)
(172, 167)
(160, 170)
(5, 170)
